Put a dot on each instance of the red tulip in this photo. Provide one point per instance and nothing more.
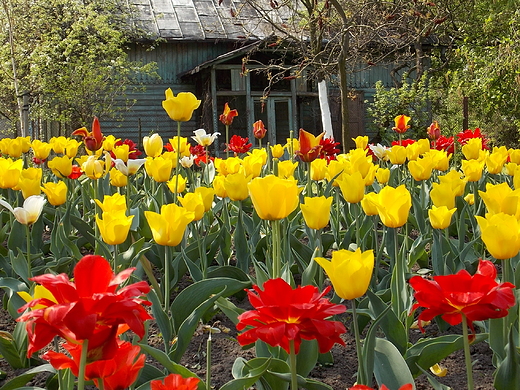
(328, 149)
(239, 144)
(259, 129)
(478, 297)
(93, 140)
(227, 116)
(175, 382)
(434, 131)
(310, 146)
(76, 172)
(282, 314)
(88, 308)
(464, 136)
(401, 124)
(117, 373)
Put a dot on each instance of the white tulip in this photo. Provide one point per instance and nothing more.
(31, 210)
(204, 139)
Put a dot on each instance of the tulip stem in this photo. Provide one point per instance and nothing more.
(166, 278)
(28, 243)
(82, 365)
(309, 181)
(208, 361)
(227, 141)
(277, 249)
(61, 386)
(292, 365)
(178, 151)
(361, 376)
(467, 354)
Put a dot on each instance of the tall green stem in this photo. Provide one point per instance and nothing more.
(308, 190)
(227, 141)
(208, 362)
(61, 386)
(277, 249)
(166, 278)
(28, 243)
(292, 366)
(361, 376)
(82, 365)
(178, 151)
(467, 354)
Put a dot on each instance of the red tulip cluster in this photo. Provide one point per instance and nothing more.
(91, 313)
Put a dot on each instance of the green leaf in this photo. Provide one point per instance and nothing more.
(166, 362)
(507, 375)
(22, 379)
(229, 309)
(390, 368)
(188, 326)
(12, 286)
(9, 351)
(161, 317)
(393, 328)
(426, 352)
(307, 357)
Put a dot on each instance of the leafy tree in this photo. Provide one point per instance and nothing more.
(69, 56)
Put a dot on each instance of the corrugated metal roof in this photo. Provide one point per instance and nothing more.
(199, 19)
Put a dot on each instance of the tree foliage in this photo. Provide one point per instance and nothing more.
(69, 56)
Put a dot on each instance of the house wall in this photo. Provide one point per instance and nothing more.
(144, 99)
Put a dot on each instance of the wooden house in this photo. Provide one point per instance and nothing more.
(199, 46)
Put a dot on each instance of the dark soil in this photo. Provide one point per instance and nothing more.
(340, 375)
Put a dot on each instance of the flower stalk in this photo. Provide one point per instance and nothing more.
(467, 354)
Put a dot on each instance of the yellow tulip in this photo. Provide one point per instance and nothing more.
(71, 147)
(361, 142)
(40, 292)
(292, 145)
(122, 152)
(500, 198)
(168, 227)
(349, 272)
(94, 168)
(397, 154)
(58, 144)
(334, 171)
(207, 195)
(496, 160)
(514, 155)
(218, 186)
(442, 195)
(10, 172)
(180, 108)
(470, 199)
(352, 187)
(184, 145)
(472, 149)
(30, 182)
(112, 203)
(109, 143)
(318, 169)
(259, 153)
(153, 145)
(193, 202)
(359, 162)
(511, 168)
(236, 186)
(180, 183)
(440, 217)
(371, 175)
(286, 169)
(383, 175)
(41, 149)
(56, 192)
(438, 370)
(455, 181)
(61, 166)
(253, 164)
(114, 226)
(316, 211)
(501, 234)
(14, 147)
(393, 206)
(274, 198)
(472, 169)
(421, 169)
(277, 151)
(117, 178)
(159, 168)
(440, 158)
(369, 203)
